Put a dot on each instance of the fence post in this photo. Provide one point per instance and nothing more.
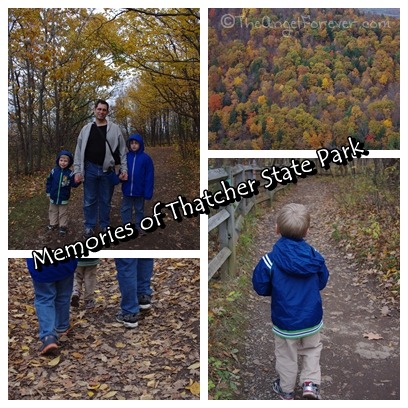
(231, 230)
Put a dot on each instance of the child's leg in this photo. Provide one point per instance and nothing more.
(286, 362)
(53, 214)
(310, 348)
(44, 302)
(62, 303)
(126, 209)
(78, 280)
(63, 215)
(139, 210)
(90, 282)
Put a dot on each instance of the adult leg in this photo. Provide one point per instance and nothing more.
(144, 276)
(105, 193)
(127, 280)
(90, 195)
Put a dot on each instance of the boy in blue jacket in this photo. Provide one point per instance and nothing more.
(58, 188)
(294, 273)
(140, 183)
(52, 289)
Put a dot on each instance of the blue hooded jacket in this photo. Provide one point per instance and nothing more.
(52, 273)
(60, 181)
(294, 273)
(140, 182)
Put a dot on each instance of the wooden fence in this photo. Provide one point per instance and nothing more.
(229, 220)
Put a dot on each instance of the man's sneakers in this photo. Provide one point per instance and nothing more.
(145, 302)
(281, 394)
(89, 232)
(49, 346)
(129, 320)
(311, 391)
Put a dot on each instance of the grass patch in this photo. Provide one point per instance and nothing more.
(227, 319)
(34, 209)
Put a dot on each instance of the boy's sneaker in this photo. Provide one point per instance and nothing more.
(145, 302)
(49, 346)
(128, 320)
(311, 391)
(282, 395)
(51, 227)
(63, 231)
(75, 300)
(89, 304)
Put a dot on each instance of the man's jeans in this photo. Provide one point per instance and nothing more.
(127, 208)
(52, 303)
(134, 276)
(98, 191)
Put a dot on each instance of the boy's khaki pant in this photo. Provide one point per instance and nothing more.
(58, 214)
(85, 275)
(287, 352)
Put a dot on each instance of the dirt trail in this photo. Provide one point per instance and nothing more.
(353, 366)
(171, 180)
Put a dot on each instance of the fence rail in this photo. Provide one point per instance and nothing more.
(229, 220)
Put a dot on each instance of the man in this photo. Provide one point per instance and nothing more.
(134, 276)
(93, 164)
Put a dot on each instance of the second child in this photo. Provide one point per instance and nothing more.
(140, 183)
(85, 277)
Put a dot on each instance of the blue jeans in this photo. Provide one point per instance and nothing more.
(52, 303)
(98, 191)
(134, 276)
(128, 203)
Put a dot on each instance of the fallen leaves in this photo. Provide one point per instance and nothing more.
(372, 336)
(100, 359)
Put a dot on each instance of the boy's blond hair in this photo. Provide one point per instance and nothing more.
(293, 221)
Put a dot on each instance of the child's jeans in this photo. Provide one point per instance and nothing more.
(52, 303)
(134, 276)
(287, 351)
(128, 203)
(85, 276)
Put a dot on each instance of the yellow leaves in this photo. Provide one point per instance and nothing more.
(120, 345)
(194, 387)
(77, 355)
(54, 362)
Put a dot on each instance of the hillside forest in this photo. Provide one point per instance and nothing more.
(303, 78)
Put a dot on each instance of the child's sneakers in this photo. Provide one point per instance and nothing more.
(51, 228)
(89, 304)
(282, 395)
(63, 231)
(311, 391)
(49, 346)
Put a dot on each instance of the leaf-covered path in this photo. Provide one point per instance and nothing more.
(100, 359)
(360, 358)
(172, 178)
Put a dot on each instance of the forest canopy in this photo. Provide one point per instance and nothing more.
(303, 78)
(144, 62)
